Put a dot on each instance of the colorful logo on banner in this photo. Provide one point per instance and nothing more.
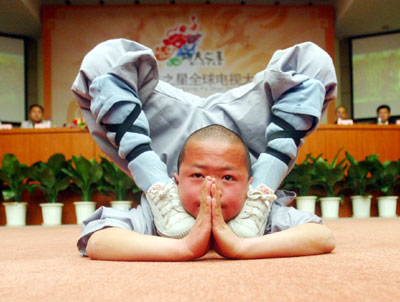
(180, 44)
(186, 66)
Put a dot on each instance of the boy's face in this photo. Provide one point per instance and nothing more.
(223, 161)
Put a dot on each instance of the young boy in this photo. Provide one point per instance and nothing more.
(130, 113)
(213, 180)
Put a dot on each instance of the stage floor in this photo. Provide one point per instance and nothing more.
(43, 264)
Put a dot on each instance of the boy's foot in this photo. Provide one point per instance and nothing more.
(252, 219)
(170, 218)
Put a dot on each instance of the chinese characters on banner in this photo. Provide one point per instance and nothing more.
(185, 65)
(210, 83)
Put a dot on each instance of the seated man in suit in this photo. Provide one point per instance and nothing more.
(383, 115)
(36, 113)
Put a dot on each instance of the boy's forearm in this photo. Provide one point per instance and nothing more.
(302, 240)
(125, 245)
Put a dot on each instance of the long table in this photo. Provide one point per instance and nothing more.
(32, 145)
(359, 140)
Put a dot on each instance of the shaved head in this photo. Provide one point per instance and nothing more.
(216, 133)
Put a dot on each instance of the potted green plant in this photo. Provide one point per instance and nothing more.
(51, 180)
(86, 176)
(118, 182)
(387, 178)
(14, 174)
(301, 180)
(328, 178)
(359, 181)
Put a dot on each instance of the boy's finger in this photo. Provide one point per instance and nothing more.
(205, 194)
(203, 191)
(217, 216)
(208, 206)
(215, 190)
(216, 202)
(207, 184)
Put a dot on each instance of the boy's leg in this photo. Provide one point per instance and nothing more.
(99, 108)
(274, 113)
(300, 81)
(115, 79)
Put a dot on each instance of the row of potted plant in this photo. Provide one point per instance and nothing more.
(316, 179)
(313, 178)
(85, 176)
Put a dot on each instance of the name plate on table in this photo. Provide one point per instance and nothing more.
(5, 126)
(43, 125)
(345, 122)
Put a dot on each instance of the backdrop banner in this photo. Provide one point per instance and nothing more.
(203, 49)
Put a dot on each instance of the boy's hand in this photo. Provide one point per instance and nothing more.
(197, 242)
(225, 243)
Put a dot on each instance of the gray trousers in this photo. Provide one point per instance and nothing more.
(272, 114)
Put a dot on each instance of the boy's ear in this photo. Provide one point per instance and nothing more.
(250, 180)
(176, 177)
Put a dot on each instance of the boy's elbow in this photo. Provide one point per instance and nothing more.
(105, 244)
(92, 247)
(328, 241)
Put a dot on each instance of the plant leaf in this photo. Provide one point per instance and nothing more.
(56, 162)
(8, 194)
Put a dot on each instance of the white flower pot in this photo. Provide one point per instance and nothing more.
(15, 213)
(306, 203)
(361, 206)
(387, 206)
(83, 209)
(52, 213)
(330, 207)
(124, 205)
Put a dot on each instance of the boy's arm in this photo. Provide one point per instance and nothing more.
(302, 240)
(126, 245)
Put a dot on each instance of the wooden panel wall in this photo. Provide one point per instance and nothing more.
(359, 140)
(31, 145)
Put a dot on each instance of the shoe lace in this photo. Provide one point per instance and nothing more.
(166, 198)
(256, 203)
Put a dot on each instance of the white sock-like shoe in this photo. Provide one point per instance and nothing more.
(252, 219)
(170, 218)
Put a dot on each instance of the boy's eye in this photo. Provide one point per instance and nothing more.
(197, 175)
(228, 177)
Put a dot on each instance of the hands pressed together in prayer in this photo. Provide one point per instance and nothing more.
(210, 228)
